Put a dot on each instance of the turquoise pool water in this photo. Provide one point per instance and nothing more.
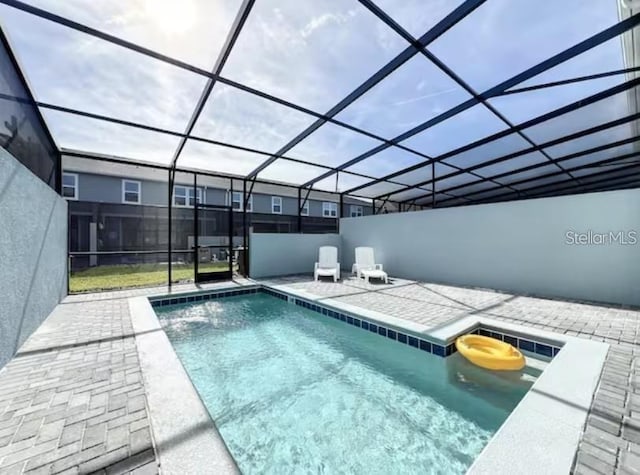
(292, 391)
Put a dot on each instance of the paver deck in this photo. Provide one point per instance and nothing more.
(73, 399)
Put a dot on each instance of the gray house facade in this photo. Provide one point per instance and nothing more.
(97, 188)
(123, 215)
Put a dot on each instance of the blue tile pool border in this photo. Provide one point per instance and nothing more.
(204, 296)
(522, 342)
(375, 327)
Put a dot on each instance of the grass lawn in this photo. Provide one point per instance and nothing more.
(135, 275)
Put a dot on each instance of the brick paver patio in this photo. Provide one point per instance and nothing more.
(73, 399)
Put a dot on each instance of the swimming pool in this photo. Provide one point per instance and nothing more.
(292, 391)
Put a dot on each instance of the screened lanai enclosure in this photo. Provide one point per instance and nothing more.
(176, 128)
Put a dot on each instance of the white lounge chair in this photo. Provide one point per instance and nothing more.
(327, 265)
(365, 265)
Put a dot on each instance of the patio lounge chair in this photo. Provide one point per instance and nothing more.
(365, 265)
(327, 265)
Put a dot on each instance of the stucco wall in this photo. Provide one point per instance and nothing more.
(33, 253)
(273, 255)
(518, 246)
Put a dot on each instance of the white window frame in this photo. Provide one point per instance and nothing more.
(124, 184)
(329, 209)
(355, 211)
(76, 180)
(238, 194)
(305, 209)
(274, 200)
(185, 196)
(188, 190)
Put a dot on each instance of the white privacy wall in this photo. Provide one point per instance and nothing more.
(33, 253)
(272, 255)
(518, 246)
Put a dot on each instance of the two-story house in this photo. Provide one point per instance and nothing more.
(125, 208)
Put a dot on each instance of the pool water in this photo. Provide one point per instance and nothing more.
(292, 391)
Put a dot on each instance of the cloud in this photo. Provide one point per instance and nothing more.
(102, 137)
(296, 173)
(418, 16)
(393, 107)
(332, 145)
(133, 21)
(339, 183)
(88, 74)
(326, 19)
(468, 126)
(505, 37)
(205, 156)
(237, 117)
(388, 161)
(313, 53)
(426, 96)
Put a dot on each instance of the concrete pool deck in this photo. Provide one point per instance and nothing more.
(67, 378)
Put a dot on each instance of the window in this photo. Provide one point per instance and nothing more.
(70, 186)
(184, 196)
(305, 209)
(276, 205)
(131, 192)
(356, 211)
(236, 201)
(329, 210)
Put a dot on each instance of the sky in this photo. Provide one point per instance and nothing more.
(314, 53)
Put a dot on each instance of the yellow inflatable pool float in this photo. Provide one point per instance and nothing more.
(490, 353)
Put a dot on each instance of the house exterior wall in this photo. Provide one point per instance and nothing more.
(123, 229)
(108, 189)
(99, 188)
(153, 193)
(262, 204)
(216, 196)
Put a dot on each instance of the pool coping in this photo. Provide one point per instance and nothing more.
(186, 437)
(541, 434)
